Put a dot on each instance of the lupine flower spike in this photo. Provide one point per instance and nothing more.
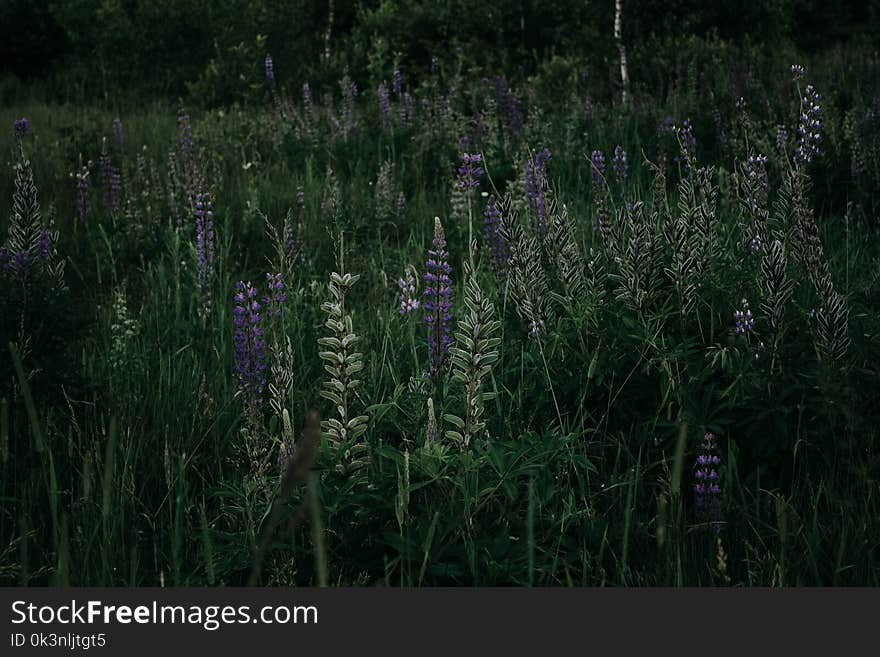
(270, 70)
(438, 301)
(21, 128)
(250, 349)
(409, 302)
(745, 323)
(204, 215)
(707, 489)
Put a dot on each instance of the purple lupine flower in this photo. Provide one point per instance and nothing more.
(756, 244)
(494, 239)
(185, 135)
(272, 302)
(809, 127)
(797, 71)
(270, 70)
(707, 490)
(118, 134)
(620, 164)
(511, 110)
(756, 170)
(597, 169)
(384, 106)
(438, 301)
(204, 214)
(435, 64)
(745, 323)
(536, 182)
(21, 263)
(111, 182)
(781, 137)
(470, 170)
(250, 348)
(687, 142)
(397, 81)
(44, 244)
(408, 298)
(21, 128)
(665, 125)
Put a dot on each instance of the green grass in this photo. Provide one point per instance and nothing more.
(127, 457)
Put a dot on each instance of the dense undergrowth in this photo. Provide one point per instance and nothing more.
(654, 364)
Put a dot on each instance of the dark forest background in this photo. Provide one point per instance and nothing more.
(212, 49)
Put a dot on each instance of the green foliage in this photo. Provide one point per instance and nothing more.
(123, 458)
(475, 353)
(343, 364)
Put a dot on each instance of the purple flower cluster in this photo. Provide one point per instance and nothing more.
(687, 142)
(756, 170)
(204, 214)
(707, 490)
(21, 128)
(438, 301)
(797, 71)
(809, 127)
(666, 125)
(384, 106)
(781, 137)
(19, 263)
(250, 347)
(408, 301)
(597, 169)
(185, 135)
(620, 164)
(745, 322)
(111, 181)
(536, 180)
(470, 170)
(511, 107)
(270, 70)
(494, 239)
(44, 244)
(397, 81)
(276, 296)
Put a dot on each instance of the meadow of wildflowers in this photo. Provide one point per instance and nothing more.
(550, 340)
